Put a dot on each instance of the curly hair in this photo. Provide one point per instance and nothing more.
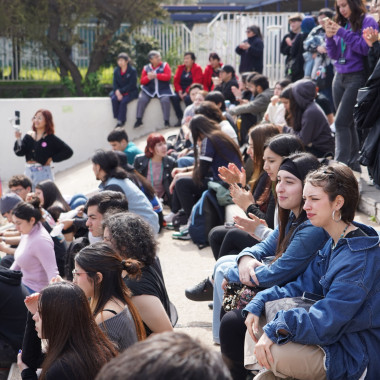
(131, 237)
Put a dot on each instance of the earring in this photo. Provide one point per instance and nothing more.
(333, 217)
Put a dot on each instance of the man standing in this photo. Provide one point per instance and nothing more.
(287, 43)
(251, 51)
(228, 79)
(155, 82)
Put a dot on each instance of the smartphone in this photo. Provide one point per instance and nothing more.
(311, 297)
(229, 224)
(17, 117)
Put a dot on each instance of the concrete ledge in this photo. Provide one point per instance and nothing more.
(369, 202)
(83, 123)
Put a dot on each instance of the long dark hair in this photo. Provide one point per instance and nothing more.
(110, 164)
(210, 110)
(259, 135)
(100, 257)
(71, 332)
(358, 10)
(305, 163)
(54, 202)
(201, 127)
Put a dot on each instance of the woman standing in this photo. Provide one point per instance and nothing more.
(76, 348)
(346, 45)
(98, 272)
(34, 256)
(124, 88)
(342, 338)
(41, 147)
(251, 51)
(156, 166)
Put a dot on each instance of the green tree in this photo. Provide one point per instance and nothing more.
(53, 24)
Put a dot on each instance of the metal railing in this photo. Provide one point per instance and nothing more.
(222, 35)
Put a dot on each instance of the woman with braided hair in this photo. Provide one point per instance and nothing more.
(99, 273)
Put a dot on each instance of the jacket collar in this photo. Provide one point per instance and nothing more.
(361, 243)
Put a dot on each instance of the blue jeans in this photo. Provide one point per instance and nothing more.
(185, 161)
(223, 263)
(345, 90)
(38, 173)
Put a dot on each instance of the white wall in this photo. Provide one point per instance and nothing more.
(83, 123)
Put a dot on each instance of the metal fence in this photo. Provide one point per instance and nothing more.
(222, 35)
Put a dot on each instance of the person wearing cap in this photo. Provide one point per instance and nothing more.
(155, 82)
(124, 88)
(288, 40)
(228, 80)
(251, 51)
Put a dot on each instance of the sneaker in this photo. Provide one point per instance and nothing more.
(119, 124)
(178, 123)
(265, 374)
(138, 123)
(181, 235)
(202, 292)
(167, 124)
(169, 218)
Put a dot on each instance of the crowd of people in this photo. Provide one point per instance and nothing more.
(294, 289)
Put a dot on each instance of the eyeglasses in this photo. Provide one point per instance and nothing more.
(75, 273)
(40, 118)
(17, 191)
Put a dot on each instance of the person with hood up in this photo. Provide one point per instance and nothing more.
(308, 121)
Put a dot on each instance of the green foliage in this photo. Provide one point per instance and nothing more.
(137, 48)
(68, 85)
(143, 45)
(91, 85)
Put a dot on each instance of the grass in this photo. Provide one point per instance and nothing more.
(51, 75)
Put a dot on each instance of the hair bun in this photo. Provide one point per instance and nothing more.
(133, 267)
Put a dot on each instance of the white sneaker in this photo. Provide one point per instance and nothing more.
(169, 218)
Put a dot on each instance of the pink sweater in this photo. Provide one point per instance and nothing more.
(35, 258)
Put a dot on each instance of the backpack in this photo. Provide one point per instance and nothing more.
(205, 215)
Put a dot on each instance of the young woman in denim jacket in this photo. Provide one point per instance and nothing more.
(339, 337)
(294, 243)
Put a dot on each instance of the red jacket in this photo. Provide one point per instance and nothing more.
(165, 76)
(207, 75)
(196, 72)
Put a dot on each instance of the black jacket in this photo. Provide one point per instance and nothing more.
(252, 58)
(141, 165)
(225, 89)
(12, 308)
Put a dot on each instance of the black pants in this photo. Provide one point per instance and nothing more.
(176, 101)
(229, 241)
(232, 335)
(186, 194)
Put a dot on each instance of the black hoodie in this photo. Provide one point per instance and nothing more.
(12, 308)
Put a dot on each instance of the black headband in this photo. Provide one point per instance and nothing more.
(289, 166)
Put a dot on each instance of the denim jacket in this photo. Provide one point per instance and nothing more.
(304, 244)
(346, 322)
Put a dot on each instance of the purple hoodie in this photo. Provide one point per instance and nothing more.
(356, 47)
